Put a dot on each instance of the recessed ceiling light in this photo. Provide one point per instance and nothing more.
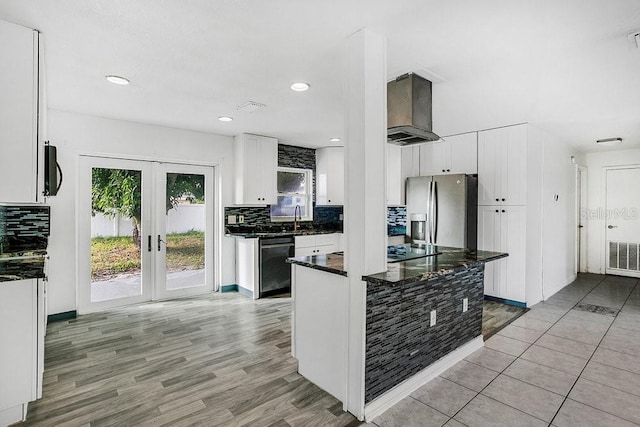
(609, 141)
(300, 87)
(117, 80)
(225, 118)
(334, 140)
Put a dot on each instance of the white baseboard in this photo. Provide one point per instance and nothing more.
(405, 388)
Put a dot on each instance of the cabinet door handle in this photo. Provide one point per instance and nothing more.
(160, 241)
(448, 170)
(497, 211)
(503, 200)
(497, 200)
(149, 243)
(503, 210)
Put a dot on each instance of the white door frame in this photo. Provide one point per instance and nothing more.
(581, 219)
(159, 290)
(605, 251)
(83, 269)
(83, 232)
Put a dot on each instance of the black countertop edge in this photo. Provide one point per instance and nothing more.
(420, 269)
(254, 235)
(331, 263)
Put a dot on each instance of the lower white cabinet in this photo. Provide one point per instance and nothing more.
(22, 324)
(503, 229)
(318, 244)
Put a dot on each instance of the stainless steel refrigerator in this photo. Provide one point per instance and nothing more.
(443, 210)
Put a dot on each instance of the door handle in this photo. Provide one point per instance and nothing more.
(612, 226)
(149, 243)
(160, 241)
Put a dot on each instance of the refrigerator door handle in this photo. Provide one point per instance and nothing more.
(434, 212)
(427, 236)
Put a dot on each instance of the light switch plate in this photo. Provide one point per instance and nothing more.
(231, 219)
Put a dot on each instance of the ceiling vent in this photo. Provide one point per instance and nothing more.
(250, 107)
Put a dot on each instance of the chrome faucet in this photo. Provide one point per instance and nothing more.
(297, 215)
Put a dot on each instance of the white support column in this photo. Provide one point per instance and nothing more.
(365, 191)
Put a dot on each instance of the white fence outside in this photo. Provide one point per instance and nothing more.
(181, 219)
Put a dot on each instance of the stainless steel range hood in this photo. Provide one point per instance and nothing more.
(409, 111)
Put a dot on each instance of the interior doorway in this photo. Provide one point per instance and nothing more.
(622, 222)
(145, 231)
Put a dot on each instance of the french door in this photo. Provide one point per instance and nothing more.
(145, 231)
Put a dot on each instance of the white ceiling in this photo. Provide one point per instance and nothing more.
(566, 66)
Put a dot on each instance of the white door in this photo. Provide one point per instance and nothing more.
(145, 231)
(183, 224)
(114, 256)
(622, 222)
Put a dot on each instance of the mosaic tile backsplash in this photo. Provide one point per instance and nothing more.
(23, 228)
(397, 221)
(324, 218)
(399, 340)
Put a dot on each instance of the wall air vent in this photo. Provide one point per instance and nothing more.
(624, 256)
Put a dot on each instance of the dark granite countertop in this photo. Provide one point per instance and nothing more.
(447, 261)
(400, 272)
(332, 263)
(21, 268)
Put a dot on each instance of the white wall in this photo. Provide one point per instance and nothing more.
(596, 201)
(558, 217)
(76, 134)
(551, 224)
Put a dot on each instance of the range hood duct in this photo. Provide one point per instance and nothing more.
(409, 109)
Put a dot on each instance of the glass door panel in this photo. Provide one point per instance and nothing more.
(184, 230)
(114, 215)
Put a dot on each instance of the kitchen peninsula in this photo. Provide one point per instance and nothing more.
(425, 306)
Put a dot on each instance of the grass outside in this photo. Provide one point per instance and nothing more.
(111, 256)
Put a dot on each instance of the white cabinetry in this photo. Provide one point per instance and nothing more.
(22, 326)
(256, 163)
(502, 166)
(456, 154)
(18, 113)
(248, 266)
(503, 229)
(330, 176)
(318, 244)
(402, 163)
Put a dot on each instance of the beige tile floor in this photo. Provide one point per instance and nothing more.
(557, 365)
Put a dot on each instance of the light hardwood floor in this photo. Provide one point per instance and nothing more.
(214, 360)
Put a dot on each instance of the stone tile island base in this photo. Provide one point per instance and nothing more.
(399, 339)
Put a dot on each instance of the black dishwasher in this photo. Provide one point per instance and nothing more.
(275, 273)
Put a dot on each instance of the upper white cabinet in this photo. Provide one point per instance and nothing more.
(395, 183)
(502, 166)
(18, 113)
(330, 176)
(456, 154)
(402, 163)
(256, 164)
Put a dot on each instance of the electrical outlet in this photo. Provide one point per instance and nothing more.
(231, 219)
(465, 304)
(240, 219)
(432, 321)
